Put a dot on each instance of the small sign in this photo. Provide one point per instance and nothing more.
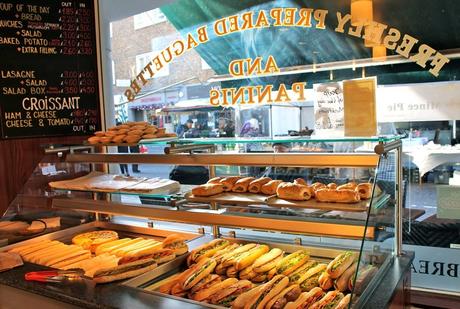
(49, 170)
(360, 108)
(328, 108)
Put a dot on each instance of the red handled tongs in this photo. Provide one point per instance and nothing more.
(53, 275)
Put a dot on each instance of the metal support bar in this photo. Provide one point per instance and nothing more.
(399, 205)
(210, 218)
(239, 159)
(186, 148)
(384, 148)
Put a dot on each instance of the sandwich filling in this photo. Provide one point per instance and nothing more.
(291, 262)
(199, 271)
(265, 292)
(120, 270)
(342, 258)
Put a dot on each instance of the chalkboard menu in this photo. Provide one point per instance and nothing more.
(48, 68)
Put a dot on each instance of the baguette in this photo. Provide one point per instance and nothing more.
(341, 284)
(256, 185)
(111, 245)
(302, 270)
(289, 294)
(204, 294)
(242, 184)
(212, 278)
(341, 263)
(267, 292)
(292, 262)
(230, 258)
(124, 271)
(310, 279)
(244, 298)
(306, 299)
(325, 281)
(207, 250)
(292, 191)
(176, 243)
(330, 300)
(203, 268)
(226, 296)
(248, 257)
(344, 302)
(167, 285)
(268, 261)
(270, 187)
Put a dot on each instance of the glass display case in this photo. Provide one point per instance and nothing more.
(368, 227)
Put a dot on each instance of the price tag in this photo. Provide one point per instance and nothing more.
(49, 170)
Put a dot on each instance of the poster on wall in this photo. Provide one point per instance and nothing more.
(360, 107)
(328, 109)
(50, 81)
(419, 102)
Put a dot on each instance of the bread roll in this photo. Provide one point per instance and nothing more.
(242, 185)
(270, 187)
(292, 191)
(364, 190)
(208, 189)
(256, 185)
(118, 138)
(337, 196)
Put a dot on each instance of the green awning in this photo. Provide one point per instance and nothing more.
(435, 23)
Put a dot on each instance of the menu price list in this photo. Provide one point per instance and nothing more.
(49, 75)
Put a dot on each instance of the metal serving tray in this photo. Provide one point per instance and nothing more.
(152, 280)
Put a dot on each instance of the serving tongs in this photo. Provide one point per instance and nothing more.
(54, 275)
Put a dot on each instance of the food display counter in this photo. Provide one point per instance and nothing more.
(296, 245)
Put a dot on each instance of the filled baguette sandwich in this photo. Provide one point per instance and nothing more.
(291, 262)
(338, 266)
(266, 292)
(330, 300)
(306, 299)
(289, 294)
(207, 250)
(227, 295)
(175, 243)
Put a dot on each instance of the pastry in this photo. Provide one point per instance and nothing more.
(256, 185)
(292, 191)
(337, 196)
(270, 187)
(208, 189)
(318, 185)
(229, 182)
(364, 190)
(350, 186)
(332, 185)
(94, 139)
(242, 184)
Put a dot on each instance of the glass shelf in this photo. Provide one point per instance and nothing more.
(286, 139)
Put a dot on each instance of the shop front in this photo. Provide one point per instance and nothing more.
(253, 154)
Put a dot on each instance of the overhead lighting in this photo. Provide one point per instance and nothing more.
(331, 75)
(361, 12)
